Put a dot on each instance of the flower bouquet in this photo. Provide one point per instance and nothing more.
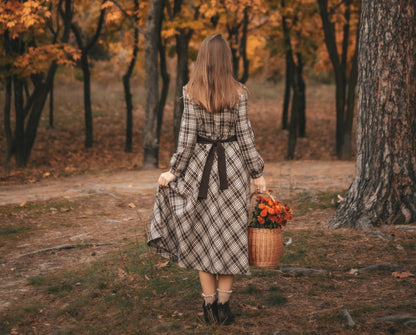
(264, 230)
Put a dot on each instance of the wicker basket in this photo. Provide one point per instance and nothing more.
(265, 246)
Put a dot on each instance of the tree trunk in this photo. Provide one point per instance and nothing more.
(289, 71)
(19, 132)
(126, 86)
(7, 125)
(85, 48)
(243, 48)
(51, 104)
(151, 141)
(288, 88)
(165, 85)
(87, 101)
(298, 103)
(182, 77)
(384, 188)
(301, 87)
(349, 112)
(339, 63)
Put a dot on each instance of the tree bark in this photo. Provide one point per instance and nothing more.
(126, 85)
(6, 122)
(51, 120)
(165, 85)
(182, 77)
(243, 48)
(289, 72)
(339, 63)
(151, 141)
(85, 49)
(384, 188)
(301, 87)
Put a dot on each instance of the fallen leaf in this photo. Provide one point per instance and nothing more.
(23, 204)
(131, 205)
(353, 272)
(162, 265)
(402, 275)
(147, 278)
(121, 273)
(46, 174)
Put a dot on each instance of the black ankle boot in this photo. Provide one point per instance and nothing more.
(210, 313)
(225, 316)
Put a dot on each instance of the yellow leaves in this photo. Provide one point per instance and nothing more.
(38, 60)
(19, 17)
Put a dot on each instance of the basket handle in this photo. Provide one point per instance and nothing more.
(267, 193)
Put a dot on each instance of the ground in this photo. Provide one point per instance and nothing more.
(90, 219)
(73, 224)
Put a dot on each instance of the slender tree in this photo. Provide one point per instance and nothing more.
(126, 82)
(345, 96)
(152, 43)
(384, 188)
(85, 44)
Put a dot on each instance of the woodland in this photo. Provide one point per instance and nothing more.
(90, 98)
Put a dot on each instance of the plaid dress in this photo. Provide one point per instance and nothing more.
(208, 234)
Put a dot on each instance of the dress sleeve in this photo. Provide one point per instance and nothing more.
(245, 139)
(186, 139)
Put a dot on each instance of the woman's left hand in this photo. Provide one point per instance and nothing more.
(165, 178)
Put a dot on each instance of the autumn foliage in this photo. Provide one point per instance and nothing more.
(39, 36)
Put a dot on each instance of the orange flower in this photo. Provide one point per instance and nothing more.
(270, 210)
(262, 206)
(260, 220)
(263, 213)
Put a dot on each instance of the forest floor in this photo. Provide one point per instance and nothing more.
(73, 258)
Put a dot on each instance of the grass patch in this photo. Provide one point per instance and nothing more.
(10, 230)
(303, 202)
(275, 298)
(127, 290)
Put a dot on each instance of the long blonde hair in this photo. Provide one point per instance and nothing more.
(212, 84)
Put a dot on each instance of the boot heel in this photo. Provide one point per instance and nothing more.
(210, 313)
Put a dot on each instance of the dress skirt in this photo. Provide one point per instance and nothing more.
(208, 234)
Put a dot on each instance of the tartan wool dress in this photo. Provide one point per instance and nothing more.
(209, 233)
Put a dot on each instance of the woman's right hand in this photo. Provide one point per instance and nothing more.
(165, 178)
(260, 184)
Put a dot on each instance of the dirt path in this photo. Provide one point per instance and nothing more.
(109, 216)
(285, 177)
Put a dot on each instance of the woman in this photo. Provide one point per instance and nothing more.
(201, 209)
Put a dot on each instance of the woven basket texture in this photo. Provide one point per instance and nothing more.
(265, 246)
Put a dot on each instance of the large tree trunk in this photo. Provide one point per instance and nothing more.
(384, 188)
(151, 141)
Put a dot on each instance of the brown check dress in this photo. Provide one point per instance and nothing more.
(208, 234)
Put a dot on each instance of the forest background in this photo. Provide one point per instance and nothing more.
(110, 74)
(93, 87)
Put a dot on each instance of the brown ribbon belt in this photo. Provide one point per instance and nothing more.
(222, 169)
